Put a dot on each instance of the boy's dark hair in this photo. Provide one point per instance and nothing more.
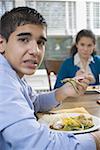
(80, 34)
(19, 16)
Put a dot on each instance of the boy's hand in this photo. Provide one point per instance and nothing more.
(73, 87)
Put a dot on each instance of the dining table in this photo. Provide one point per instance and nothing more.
(87, 101)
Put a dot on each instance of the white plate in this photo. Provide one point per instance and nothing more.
(48, 120)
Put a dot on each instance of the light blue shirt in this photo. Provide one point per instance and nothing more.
(19, 129)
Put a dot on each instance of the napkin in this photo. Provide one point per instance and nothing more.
(72, 110)
(80, 110)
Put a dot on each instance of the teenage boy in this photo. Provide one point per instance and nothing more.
(23, 34)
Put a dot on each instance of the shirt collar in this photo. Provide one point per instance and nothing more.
(77, 59)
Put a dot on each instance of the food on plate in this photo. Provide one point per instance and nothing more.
(80, 122)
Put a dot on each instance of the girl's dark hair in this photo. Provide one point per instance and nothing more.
(19, 16)
(80, 34)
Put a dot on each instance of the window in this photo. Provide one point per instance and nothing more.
(6, 5)
(93, 15)
(96, 17)
(72, 15)
(54, 13)
(30, 3)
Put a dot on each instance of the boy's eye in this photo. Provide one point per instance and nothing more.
(41, 43)
(25, 40)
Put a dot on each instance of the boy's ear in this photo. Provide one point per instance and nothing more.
(2, 41)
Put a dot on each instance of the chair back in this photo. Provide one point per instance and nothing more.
(52, 65)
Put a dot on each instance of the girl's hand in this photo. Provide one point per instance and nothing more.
(81, 73)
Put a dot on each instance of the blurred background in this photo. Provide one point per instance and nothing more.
(64, 18)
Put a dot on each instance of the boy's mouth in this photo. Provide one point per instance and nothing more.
(32, 64)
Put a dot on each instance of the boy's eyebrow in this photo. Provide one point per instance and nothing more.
(29, 34)
(24, 34)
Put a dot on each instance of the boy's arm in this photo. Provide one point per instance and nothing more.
(44, 101)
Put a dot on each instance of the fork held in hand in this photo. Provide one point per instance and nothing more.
(73, 82)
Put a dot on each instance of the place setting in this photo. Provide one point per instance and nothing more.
(75, 120)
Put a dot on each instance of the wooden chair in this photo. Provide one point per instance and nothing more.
(52, 65)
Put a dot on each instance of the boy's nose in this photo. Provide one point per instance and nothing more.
(34, 48)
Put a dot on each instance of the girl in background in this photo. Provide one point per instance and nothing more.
(83, 59)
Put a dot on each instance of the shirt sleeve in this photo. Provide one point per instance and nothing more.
(44, 101)
(41, 101)
(86, 141)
